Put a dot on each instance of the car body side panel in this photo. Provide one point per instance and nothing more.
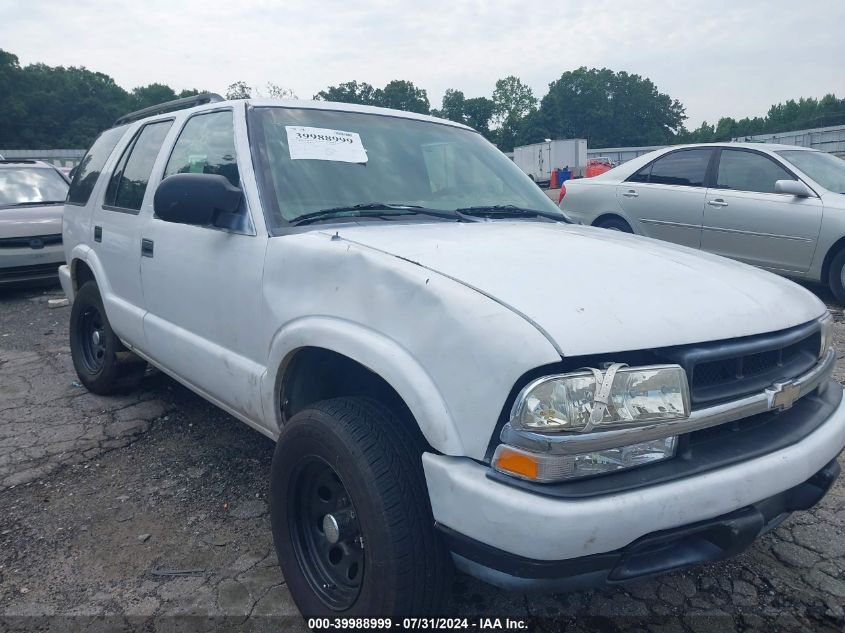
(201, 291)
(771, 230)
(587, 199)
(451, 353)
(665, 212)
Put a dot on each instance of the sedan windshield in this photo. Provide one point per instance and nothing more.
(825, 169)
(30, 186)
(332, 165)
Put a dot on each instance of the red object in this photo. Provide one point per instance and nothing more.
(553, 180)
(562, 193)
(596, 167)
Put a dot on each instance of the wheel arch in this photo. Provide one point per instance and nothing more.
(611, 215)
(80, 274)
(85, 266)
(319, 349)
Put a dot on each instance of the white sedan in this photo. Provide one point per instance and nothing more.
(779, 207)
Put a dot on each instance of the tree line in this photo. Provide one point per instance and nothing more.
(57, 107)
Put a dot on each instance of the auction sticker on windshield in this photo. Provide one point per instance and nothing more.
(317, 143)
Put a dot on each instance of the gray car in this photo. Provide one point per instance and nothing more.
(779, 207)
(32, 195)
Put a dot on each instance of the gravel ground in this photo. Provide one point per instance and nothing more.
(149, 512)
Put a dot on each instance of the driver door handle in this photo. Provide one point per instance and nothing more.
(631, 193)
(718, 202)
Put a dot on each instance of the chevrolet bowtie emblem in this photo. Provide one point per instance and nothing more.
(782, 395)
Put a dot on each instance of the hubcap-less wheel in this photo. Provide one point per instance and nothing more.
(842, 276)
(93, 339)
(326, 535)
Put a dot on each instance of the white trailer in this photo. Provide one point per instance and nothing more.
(539, 159)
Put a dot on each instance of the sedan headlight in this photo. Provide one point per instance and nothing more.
(636, 395)
(827, 334)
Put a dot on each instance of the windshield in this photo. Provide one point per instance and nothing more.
(31, 185)
(825, 169)
(312, 160)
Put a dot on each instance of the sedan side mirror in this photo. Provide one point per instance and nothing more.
(198, 199)
(793, 188)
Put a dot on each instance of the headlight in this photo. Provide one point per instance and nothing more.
(545, 468)
(637, 395)
(827, 334)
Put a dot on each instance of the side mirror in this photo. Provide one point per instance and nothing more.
(793, 188)
(199, 199)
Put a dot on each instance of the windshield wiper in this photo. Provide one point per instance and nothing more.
(406, 209)
(510, 210)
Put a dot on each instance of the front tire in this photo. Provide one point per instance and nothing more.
(351, 520)
(101, 361)
(836, 276)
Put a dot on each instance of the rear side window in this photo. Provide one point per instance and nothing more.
(749, 171)
(641, 175)
(206, 145)
(686, 167)
(89, 169)
(130, 177)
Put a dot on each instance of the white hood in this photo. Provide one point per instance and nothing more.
(593, 290)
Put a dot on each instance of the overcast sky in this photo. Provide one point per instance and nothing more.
(718, 57)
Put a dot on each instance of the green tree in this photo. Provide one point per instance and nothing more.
(349, 92)
(610, 108)
(275, 91)
(56, 107)
(239, 90)
(151, 95)
(512, 100)
(403, 95)
(478, 114)
(453, 106)
(532, 129)
(12, 102)
(397, 94)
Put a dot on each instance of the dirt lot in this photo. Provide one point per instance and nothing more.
(149, 511)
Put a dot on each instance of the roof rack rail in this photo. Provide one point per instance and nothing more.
(169, 106)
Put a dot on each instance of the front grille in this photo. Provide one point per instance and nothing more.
(728, 370)
(36, 241)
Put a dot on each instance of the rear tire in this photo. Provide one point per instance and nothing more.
(354, 460)
(615, 224)
(836, 276)
(101, 361)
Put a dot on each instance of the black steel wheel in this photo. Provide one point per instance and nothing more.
(350, 513)
(92, 336)
(101, 361)
(325, 534)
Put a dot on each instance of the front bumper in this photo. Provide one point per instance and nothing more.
(24, 265)
(658, 552)
(542, 528)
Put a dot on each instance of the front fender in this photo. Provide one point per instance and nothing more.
(452, 353)
(377, 353)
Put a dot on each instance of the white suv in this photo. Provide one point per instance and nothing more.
(453, 373)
